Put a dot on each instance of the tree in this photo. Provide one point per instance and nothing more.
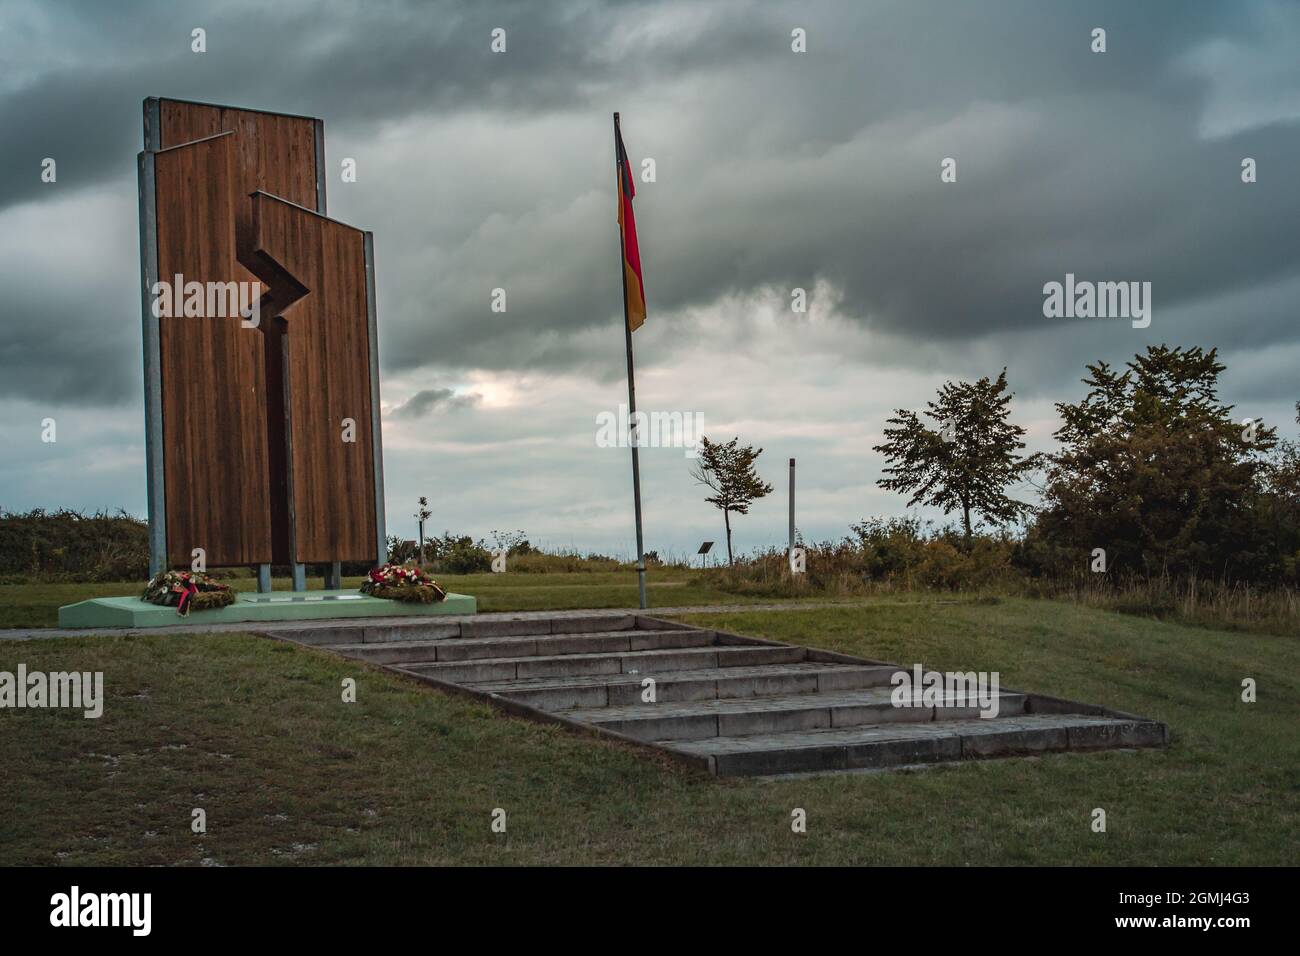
(1154, 470)
(727, 469)
(421, 516)
(968, 462)
(1277, 509)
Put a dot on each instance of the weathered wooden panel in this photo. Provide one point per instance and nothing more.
(213, 380)
(255, 463)
(277, 153)
(327, 342)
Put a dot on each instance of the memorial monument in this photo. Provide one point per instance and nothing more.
(262, 430)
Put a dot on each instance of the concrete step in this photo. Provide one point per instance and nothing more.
(764, 680)
(400, 629)
(895, 744)
(561, 624)
(641, 663)
(696, 720)
(733, 705)
(523, 645)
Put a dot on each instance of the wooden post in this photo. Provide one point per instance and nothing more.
(791, 506)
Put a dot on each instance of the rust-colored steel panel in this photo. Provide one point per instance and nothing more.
(213, 381)
(327, 343)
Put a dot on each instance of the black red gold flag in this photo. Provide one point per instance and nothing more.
(634, 285)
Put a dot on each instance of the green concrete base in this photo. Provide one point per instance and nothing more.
(273, 606)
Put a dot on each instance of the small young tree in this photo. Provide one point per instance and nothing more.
(727, 469)
(421, 516)
(968, 462)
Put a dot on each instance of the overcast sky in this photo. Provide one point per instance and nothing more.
(775, 170)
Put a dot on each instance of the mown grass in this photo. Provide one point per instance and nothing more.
(1202, 604)
(37, 604)
(256, 734)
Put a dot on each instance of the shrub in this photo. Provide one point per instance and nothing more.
(457, 554)
(564, 562)
(71, 545)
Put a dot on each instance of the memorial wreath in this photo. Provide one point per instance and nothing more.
(187, 591)
(398, 582)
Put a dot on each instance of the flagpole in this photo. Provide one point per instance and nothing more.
(631, 386)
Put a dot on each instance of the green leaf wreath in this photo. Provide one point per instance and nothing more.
(402, 582)
(187, 591)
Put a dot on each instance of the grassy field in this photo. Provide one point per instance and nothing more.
(37, 605)
(256, 734)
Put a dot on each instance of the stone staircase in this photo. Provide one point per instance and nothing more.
(729, 704)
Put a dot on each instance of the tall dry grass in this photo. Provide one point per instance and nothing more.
(899, 557)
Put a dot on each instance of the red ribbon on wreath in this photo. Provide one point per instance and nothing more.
(183, 606)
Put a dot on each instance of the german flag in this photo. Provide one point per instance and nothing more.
(633, 287)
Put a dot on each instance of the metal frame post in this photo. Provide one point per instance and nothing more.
(791, 506)
(376, 424)
(151, 337)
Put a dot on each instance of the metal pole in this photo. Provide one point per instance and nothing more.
(791, 505)
(631, 383)
(376, 425)
(297, 570)
(334, 573)
(152, 341)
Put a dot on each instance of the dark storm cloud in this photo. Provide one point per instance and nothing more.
(69, 301)
(63, 363)
(351, 62)
(787, 169)
(776, 170)
(429, 400)
(76, 73)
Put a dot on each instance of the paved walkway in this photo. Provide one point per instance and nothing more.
(31, 633)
